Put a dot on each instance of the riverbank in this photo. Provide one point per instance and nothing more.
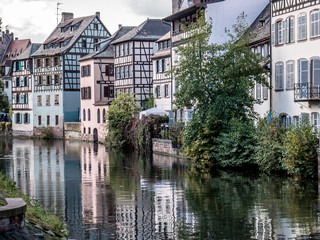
(35, 214)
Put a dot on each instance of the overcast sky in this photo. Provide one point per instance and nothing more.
(36, 19)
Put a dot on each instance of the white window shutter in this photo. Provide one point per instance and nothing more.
(273, 35)
(288, 30)
(284, 31)
(162, 91)
(293, 32)
(171, 117)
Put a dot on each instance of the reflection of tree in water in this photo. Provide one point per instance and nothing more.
(234, 206)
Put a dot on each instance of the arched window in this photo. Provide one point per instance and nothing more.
(104, 115)
(89, 115)
(84, 130)
(98, 116)
(84, 115)
(89, 130)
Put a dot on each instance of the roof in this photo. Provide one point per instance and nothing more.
(166, 37)
(29, 51)
(151, 29)
(107, 50)
(162, 53)
(261, 26)
(15, 48)
(185, 12)
(103, 102)
(58, 36)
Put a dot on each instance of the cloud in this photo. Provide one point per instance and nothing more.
(153, 8)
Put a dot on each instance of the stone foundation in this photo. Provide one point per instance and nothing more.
(163, 146)
(12, 216)
(72, 130)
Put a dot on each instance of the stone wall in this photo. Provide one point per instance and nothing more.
(12, 215)
(72, 130)
(163, 146)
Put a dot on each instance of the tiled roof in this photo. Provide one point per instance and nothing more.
(15, 48)
(107, 50)
(58, 36)
(151, 29)
(162, 53)
(29, 51)
(166, 37)
(261, 26)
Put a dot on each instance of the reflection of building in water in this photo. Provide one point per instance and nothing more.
(39, 171)
(97, 200)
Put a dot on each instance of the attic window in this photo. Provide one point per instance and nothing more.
(66, 42)
(76, 26)
(65, 28)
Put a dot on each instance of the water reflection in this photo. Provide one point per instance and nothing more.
(105, 195)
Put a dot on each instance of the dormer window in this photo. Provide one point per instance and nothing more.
(75, 27)
(66, 42)
(65, 28)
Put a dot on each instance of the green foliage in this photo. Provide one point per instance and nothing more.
(121, 111)
(35, 212)
(300, 150)
(269, 149)
(140, 132)
(216, 79)
(46, 132)
(236, 145)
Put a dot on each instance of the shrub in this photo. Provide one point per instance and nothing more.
(300, 150)
(46, 132)
(236, 145)
(269, 149)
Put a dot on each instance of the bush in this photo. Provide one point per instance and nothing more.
(46, 132)
(300, 150)
(236, 145)
(269, 149)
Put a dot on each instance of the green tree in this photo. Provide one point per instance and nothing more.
(121, 111)
(217, 80)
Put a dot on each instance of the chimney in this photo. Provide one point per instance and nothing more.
(120, 25)
(98, 15)
(66, 16)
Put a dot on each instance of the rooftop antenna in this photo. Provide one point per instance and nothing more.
(58, 3)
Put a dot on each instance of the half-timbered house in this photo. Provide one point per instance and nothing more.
(22, 99)
(14, 49)
(261, 43)
(295, 37)
(161, 77)
(57, 71)
(97, 87)
(133, 64)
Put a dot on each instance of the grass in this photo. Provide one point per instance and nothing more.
(35, 212)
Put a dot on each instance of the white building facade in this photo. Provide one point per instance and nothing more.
(295, 33)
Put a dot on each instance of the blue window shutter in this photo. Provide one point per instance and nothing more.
(19, 65)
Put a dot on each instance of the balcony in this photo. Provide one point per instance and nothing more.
(306, 92)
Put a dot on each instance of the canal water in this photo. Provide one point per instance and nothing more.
(104, 195)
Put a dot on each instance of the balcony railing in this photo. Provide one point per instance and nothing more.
(306, 92)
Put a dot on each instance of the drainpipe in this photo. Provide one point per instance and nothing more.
(100, 80)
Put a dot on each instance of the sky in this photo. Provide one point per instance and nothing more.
(36, 19)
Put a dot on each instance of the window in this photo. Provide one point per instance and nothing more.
(48, 80)
(18, 118)
(26, 118)
(25, 99)
(48, 120)
(258, 91)
(315, 121)
(157, 66)
(56, 61)
(95, 26)
(86, 71)
(89, 130)
(56, 79)
(104, 115)
(265, 93)
(126, 71)
(85, 93)
(157, 91)
(316, 72)
(84, 130)
(166, 90)
(17, 82)
(302, 27)
(83, 115)
(39, 120)
(40, 80)
(281, 32)
(38, 63)
(315, 24)
(84, 43)
(26, 82)
(39, 98)
(109, 70)
(303, 78)
(163, 65)
(89, 115)
(290, 30)
(56, 100)
(279, 76)
(98, 116)
(295, 121)
(47, 100)
(47, 62)
(290, 75)
(57, 120)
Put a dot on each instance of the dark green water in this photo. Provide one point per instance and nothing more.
(105, 195)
